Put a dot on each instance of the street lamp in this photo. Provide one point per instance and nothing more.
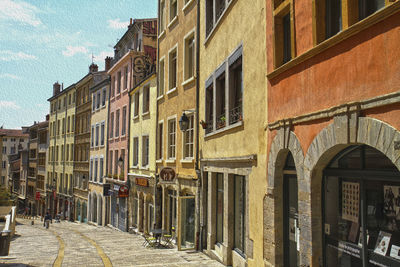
(120, 162)
(184, 122)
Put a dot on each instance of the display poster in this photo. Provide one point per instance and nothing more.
(360, 239)
(395, 252)
(382, 243)
(350, 201)
(353, 232)
(392, 206)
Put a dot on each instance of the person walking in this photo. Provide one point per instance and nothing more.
(47, 219)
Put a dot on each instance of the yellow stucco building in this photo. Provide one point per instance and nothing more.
(142, 154)
(177, 159)
(232, 141)
(61, 150)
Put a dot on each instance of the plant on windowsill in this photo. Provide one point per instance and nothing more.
(221, 122)
(115, 176)
(109, 175)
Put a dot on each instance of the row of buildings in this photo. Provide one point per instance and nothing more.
(262, 134)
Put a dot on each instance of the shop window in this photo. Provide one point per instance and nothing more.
(172, 210)
(135, 211)
(220, 208)
(188, 137)
(171, 138)
(240, 213)
(357, 198)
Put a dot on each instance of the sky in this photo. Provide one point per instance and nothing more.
(45, 41)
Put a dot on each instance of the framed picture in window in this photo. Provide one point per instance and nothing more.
(382, 243)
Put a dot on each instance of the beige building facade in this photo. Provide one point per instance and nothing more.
(60, 165)
(99, 94)
(142, 152)
(233, 116)
(177, 157)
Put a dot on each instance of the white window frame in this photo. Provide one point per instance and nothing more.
(91, 169)
(135, 152)
(161, 78)
(92, 136)
(186, 79)
(174, 117)
(104, 97)
(144, 151)
(144, 87)
(173, 18)
(184, 158)
(97, 130)
(101, 168)
(136, 105)
(102, 133)
(160, 147)
(173, 49)
(98, 103)
(162, 17)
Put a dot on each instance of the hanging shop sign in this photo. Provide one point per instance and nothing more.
(123, 191)
(37, 196)
(142, 181)
(116, 188)
(167, 174)
(106, 189)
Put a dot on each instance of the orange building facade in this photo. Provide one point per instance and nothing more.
(333, 133)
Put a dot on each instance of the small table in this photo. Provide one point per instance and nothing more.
(157, 233)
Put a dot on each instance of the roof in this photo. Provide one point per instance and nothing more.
(62, 92)
(130, 26)
(12, 132)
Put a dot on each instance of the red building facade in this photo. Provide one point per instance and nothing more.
(333, 133)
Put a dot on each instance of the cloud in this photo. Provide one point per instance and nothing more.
(72, 50)
(102, 55)
(116, 24)
(8, 105)
(9, 76)
(19, 11)
(7, 55)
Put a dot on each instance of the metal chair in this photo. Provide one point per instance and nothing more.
(168, 238)
(149, 241)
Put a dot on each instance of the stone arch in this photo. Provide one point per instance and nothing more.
(343, 132)
(284, 142)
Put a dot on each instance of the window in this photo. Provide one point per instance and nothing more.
(117, 123)
(101, 169)
(189, 57)
(188, 138)
(239, 213)
(116, 161)
(111, 162)
(118, 82)
(172, 69)
(92, 137)
(4, 164)
(126, 78)
(58, 127)
(67, 153)
(57, 151)
(162, 16)
(112, 88)
(98, 100)
(72, 152)
(146, 98)
(123, 121)
(333, 16)
(63, 126)
(94, 102)
(69, 99)
(171, 138)
(160, 137)
(233, 92)
(12, 150)
(135, 151)
(160, 91)
(145, 151)
(103, 102)
(73, 98)
(112, 125)
(73, 123)
(173, 9)
(136, 111)
(220, 208)
(96, 169)
(97, 134)
(4, 150)
(91, 170)
(68, 124)
(102, 134)
(214, 11)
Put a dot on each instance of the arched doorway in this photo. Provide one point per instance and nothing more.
(291, 231)
(361, 190)
(100, 210)
(78, 211)
(94, 210)
(84, 211)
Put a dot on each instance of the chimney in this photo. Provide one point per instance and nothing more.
(56, 88)
(130, 22)
(47, 117)
(93, 68)
(107, 63)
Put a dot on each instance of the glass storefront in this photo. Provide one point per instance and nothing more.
(361, 190)
(187, 222)
(172, 209)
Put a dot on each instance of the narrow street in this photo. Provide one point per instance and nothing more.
(74, 244)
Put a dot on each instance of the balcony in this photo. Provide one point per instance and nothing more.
(209, 126)
(235, 115)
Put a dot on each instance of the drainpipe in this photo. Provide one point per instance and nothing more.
(198, 171)
(158, 85)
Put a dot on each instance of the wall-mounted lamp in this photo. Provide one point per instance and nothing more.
(184, 120)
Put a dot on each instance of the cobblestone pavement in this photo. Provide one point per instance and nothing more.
(75, 244)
